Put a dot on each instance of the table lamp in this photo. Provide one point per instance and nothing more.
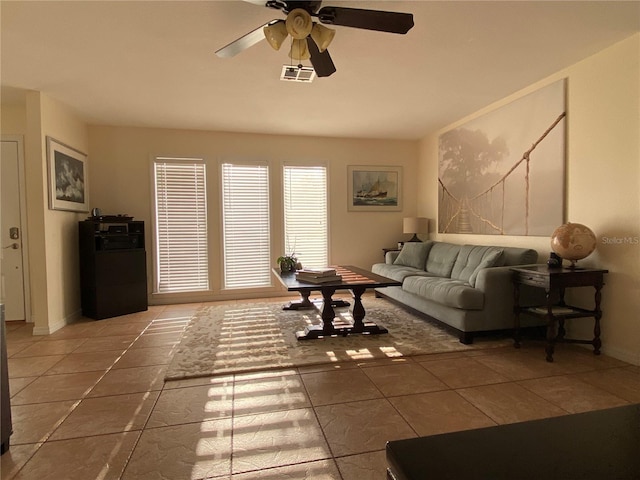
(415, 225)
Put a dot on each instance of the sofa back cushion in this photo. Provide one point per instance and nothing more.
(472, 258)
(414, 254)
(441, 259)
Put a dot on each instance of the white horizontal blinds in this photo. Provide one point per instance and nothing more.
(305, 214)
(181, 225)
(245, 218)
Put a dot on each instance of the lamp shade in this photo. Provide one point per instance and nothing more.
(276, 34)
(322, 36)
(299, 50)
(415, 225)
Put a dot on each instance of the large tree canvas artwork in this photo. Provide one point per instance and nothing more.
(503, 173)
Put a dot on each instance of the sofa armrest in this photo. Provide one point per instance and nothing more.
(497, 285)
(391, 256)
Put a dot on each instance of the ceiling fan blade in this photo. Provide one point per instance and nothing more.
(244, 42)
(321, 61)
(392, 22)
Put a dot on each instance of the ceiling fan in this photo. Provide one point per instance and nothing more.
(311, 39)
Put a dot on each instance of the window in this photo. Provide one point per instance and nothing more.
(305, 214)
(180, 225)
(245, 223)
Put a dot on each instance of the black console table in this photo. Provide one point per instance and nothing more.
(554, 281)
(603, 444)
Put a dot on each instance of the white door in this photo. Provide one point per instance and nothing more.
(11, 255)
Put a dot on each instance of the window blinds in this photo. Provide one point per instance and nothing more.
(245, 218)
(181, 225)
(305, 214)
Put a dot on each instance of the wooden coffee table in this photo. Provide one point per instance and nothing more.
(354, 279)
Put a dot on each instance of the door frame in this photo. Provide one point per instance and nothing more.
(19, 140)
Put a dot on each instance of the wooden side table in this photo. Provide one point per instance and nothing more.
(554, 281)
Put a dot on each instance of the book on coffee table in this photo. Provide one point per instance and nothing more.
(311, 278)
(318, 272)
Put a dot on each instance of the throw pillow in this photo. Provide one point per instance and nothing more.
(493, 258)
(414, 254)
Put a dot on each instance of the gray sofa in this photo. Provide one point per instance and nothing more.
(467, 287)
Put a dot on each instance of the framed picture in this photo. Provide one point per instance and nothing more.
(374, 188)
(68, 187)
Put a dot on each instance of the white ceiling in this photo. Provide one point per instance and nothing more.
(152, 63)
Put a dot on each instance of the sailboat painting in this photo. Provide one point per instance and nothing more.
(374, 188)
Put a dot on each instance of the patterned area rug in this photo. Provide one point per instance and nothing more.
(246, 337)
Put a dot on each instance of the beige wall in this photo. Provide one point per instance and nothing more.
(602, 191)
(13, 119)
(52, 235)
(61, 227)
(121, 183)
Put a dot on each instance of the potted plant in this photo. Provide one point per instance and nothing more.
(288, 263)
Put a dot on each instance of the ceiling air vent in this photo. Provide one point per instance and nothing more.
(298, 74)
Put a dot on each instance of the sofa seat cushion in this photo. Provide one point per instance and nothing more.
(414, 254)
(396, 272)
(473, 258)
(441, 259)
(448, 292)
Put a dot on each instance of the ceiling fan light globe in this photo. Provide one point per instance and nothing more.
(276, 34)
(299, 50)
(323, 36)
(299, 23)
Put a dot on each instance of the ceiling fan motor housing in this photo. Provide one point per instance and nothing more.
(289, 5)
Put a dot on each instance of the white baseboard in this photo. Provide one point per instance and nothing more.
(54, 326)
(624, 355)
(49, 329)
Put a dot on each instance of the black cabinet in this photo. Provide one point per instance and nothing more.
(113, 270)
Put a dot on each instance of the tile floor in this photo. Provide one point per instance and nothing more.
(89, 402)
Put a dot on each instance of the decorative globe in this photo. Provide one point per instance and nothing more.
(573, 241)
